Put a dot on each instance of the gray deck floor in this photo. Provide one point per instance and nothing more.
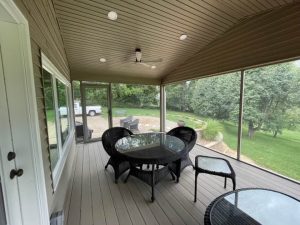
(97, 200)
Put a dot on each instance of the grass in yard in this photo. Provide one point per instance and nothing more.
(50, 116)
(280, 154)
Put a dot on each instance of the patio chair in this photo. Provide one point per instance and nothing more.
(189, 137)
(109, 139)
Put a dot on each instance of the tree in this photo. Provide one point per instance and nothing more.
(178, 96)
(269, 92)
(216, 97)
(134, 95)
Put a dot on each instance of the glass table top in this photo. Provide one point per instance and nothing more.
(150, 145)
(213, 164)
(255, 206)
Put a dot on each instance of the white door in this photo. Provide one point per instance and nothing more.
(20, 192)
(10, 204)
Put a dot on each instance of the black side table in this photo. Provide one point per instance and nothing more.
(215, 166)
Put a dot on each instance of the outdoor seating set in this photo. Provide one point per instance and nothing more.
(164, 153)
(152, 156)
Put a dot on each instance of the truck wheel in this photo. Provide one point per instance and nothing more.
(92, 113)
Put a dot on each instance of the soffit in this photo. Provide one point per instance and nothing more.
(154, 26)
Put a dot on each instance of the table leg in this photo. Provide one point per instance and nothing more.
(126, 179)
(152, 182)
(233, 182)
(178, 169)
(195, 194)
(129, 173)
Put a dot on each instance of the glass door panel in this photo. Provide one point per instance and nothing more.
(95, 106)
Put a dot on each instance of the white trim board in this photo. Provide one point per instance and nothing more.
(31, 116)
(49, 66)
(63, 149)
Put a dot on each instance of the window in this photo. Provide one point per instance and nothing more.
(50, 117)
(57, 100)
(64, 113)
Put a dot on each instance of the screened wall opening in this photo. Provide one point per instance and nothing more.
(210, 106)
(271, 118)
(136, 107)
(269, 134)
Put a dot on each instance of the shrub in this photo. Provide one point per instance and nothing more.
(212, 129)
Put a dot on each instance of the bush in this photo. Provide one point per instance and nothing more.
(212, 129)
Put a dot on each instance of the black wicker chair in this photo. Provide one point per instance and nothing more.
(109, 139)
(189, 137)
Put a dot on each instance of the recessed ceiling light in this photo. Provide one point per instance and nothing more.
(112, 15)
(183, 37)
(153, 67)
(103, 60)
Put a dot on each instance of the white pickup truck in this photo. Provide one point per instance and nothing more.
(90, 110)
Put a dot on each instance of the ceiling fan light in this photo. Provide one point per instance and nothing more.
(183, 37)
(103, 60)
(138, 55)
(112, 15)
(153, 67)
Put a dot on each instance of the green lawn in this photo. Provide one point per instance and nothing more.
(50, 115)
(280, 154)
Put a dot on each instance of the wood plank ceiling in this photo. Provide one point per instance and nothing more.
(154, 26)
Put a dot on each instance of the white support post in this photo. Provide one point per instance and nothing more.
(162, 108)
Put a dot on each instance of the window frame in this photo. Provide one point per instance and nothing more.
(63, 149)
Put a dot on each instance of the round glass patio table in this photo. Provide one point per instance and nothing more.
(151, 149)
(253, 206)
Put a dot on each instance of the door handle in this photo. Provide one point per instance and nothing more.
(11, 156)
(17, 173)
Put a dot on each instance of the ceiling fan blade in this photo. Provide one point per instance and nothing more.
(153, 61)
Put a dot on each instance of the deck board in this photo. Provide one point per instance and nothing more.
(97, 200)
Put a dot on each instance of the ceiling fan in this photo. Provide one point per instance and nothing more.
(140, 61)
